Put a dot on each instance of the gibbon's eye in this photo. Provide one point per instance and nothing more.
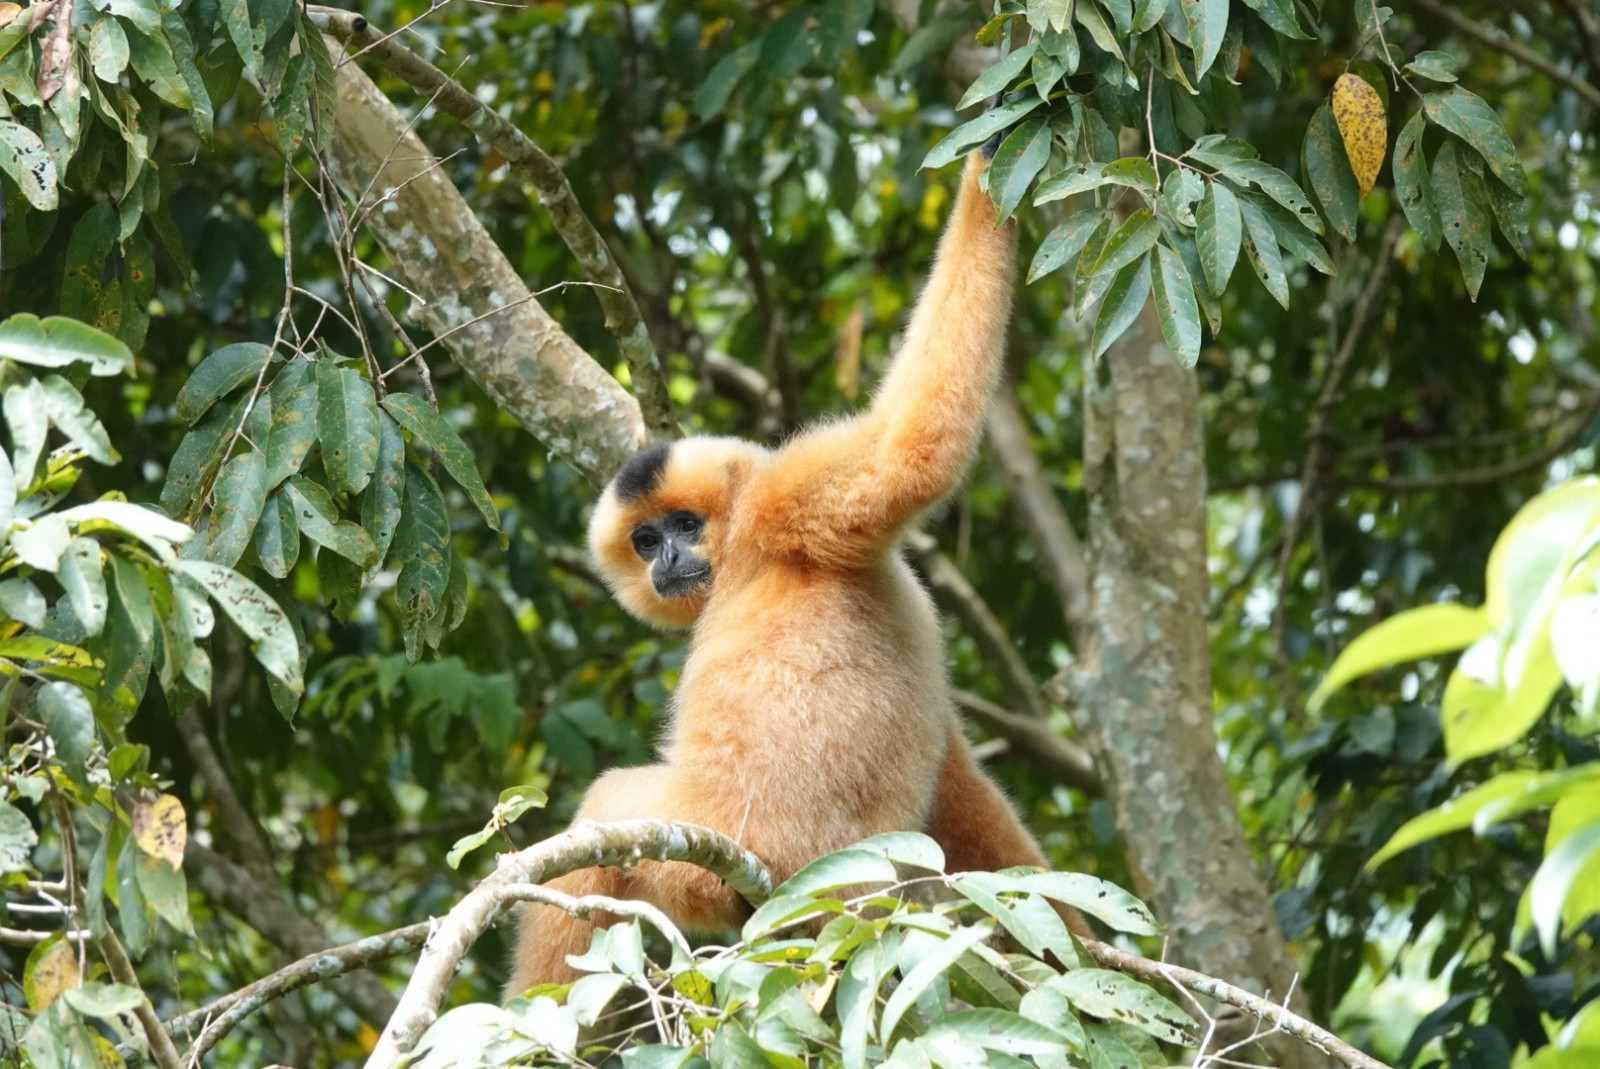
(645, 542)
(689, 524)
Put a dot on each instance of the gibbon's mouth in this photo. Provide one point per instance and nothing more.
(682, 584)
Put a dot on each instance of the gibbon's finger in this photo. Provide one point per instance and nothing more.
(991, 146)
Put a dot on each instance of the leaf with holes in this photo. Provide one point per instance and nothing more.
(257, 615)
(418, 417)
(1176, 308)
(1218, 233)
(237, 502)
(1468, 117)
(1019, 159)
(293, 405)
(1413, 185)
(1116, 997)
(318, 517)
(1262, 246)
(347, 426)
(1464, 212)
(161, 829)
(24, 158)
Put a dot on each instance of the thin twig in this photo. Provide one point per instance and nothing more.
(1501, 41)
(161, 1045)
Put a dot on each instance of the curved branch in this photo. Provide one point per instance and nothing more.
(531, 163)
(1063, 760)
(1499, 40)
(585, 845)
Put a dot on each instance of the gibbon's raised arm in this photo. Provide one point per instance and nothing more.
(841, 491)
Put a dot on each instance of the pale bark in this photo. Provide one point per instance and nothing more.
(470, 295)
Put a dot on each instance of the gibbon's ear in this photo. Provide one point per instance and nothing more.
(659, 530)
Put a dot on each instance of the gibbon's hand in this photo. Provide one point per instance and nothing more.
(991, 146)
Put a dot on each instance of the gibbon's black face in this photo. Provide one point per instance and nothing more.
(666, 543)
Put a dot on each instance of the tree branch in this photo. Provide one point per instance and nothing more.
(231, 812)
(1278, 1016)
(531, 163)
(162, 1048)
(584, 845)
(1063, 760)
(1501, 41)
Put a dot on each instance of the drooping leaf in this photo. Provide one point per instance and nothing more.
(294, 420)
(1116, 997)
(1123, 302)
(66, 716)
(1470, 118)
(256, 614)
(84, 579)
(1208, 24)
(161, 829)
(317, 516)
(237, 503)
(997, 77)
(83, 292)
(219, 375)
(1364, 126)
(1408, 636)
(59, 341)
(30, 426)
(1021, 156)
(1413, 185)
(21, 601)
(418, 417)
(25, 160)
(347, 426)
(1281, 16)
(1464, 212)
(1261, 245)
(421, 544)
(1322, 158)
(1218, 233)
(1089, 17)
(64, 405)
(1176, 308)
(1064, 243)
(971, 134)
(278, 535)
(199, 455)
(724, 79)
(926, 971)
(1573, 861)
(381, 500)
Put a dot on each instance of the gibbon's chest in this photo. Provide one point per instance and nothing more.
(783, 649)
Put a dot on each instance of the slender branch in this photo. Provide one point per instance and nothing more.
(241, 826)
(586, 844)
(531, 163)
(1318, 441)
(1279, 1017)
(1497, 38)
(1041, 513)
(161, 1045)
(219, 1018)
(1063, 760)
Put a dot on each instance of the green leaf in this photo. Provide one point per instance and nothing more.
(1147, 14)
(289, 107)
(278, 536)
(1074, 179)
(59, 341)
(418, 417)
(21, 601)
(347, 426)
(1123, 302)
(971, 134)
(254, 613)
(324, 89)
(108, 50)
(219, 375)
(1176, 308)
(41, 543)
(1511, 214)
(1262, 246)
(1433, 65)
(1121, 12)
(1577, 855)
(318, 517)
(201, 113)
(1218, 232)
(1277, 185)
(249, 36)
(294, 420)
(1463, 203)
(24, 159)
(30, 425)
(843, 868)
(421, 543)
(381, 500)
(1322, 158)
(1020, 157)
(152, 60)
(906, 848)
(1408, 636)
(1001, 1030)
(1128, 242)
(1098, 898)
(69, 721)
(199, 454)
(237, 503)
(1064, 243)
(146, 524)
(1280, 15)
(106, 1001)
(64, 405)
(1208, 24)
(1541, 790)
(17, 839)
(1478, 718)
(1475, 122)
(1056, 14)
(83, 291)
(724, 79)
(1088, 16)
(83, 578)
(997, 77)
(1412, 185)
(1116, 997)
(925, 972)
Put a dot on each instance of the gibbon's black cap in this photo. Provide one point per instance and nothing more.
(641, 475)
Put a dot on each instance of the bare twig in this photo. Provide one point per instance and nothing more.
(1501, 41)
(161, 1046)
(584, 845)
(1035, 741)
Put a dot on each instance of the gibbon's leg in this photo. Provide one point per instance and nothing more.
(977, 828)
(692, 897)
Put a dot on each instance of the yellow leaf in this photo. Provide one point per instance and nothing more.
(8, 13)
(55, 971)
(160, 829)
(1358, 110)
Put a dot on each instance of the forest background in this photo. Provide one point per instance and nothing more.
(1265, 395)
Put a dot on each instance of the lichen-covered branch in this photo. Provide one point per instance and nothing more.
(531, 163)
(584, 845)
(468, 290)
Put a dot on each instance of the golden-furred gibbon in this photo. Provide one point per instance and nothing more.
(813, 709)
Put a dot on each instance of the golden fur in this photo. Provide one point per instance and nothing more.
(813, 710)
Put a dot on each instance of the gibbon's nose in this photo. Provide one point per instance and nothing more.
(669, 555)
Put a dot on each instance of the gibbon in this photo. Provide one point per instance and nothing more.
(813, 709)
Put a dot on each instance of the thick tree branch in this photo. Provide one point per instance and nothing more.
(1063, 760)
(584, 845)
(1041, 513)
(235, 818)
(1501, 41)
(1274, 1014)
(469, 293)
(531, 163)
